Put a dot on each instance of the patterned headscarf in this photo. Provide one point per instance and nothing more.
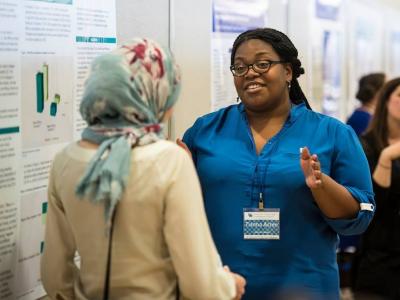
(126, 96)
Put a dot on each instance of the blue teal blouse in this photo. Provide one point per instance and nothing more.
(303, 260)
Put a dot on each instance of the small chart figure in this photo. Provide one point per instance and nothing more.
(42, 92)
(47, 89)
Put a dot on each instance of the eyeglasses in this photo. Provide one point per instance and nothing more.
(260, 67)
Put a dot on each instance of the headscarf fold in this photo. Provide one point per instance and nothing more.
(126, 96)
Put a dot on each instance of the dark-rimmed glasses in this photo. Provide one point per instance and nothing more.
(261, 66)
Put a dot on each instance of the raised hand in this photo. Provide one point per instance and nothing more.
(392, 151)
(311, 168)
(382, 174)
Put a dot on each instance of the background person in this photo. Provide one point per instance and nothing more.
(247, 157)
(368, 88)
(136, 182)
(379, 267)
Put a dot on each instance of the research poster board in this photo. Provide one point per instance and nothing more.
(327, 52)
(393, 66)
(392, 44)
(230, 18)
(365, 44)
(46, 47)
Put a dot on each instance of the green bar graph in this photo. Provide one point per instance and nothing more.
(44, 207)
(42, 92)
(39, 92)
(9, 130)
(44, 212)
(53, 109)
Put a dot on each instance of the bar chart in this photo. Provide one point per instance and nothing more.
(42, 92)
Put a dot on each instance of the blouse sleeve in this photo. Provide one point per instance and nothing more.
(194, 255)
(350, 169)
(189, 139)
(57, 264)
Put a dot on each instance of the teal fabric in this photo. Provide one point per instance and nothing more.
(126, 96)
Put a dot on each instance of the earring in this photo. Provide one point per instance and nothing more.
(237, 99)
(289, 85)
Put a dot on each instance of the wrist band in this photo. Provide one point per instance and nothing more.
(383, 166)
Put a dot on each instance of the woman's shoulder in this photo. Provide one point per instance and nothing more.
(218, 114)
(212, 121)
(360, 112)
(72, 151)
(326, 127)
(77, 151)
(159, 150)
(329, 121)
(164, 159)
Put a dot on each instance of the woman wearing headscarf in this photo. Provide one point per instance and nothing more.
(274, 212)
(119, 197)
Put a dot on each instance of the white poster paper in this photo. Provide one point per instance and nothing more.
(46, 47)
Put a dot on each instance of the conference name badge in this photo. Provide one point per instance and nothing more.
(261, 224)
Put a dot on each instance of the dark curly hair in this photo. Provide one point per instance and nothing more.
(286, 51)
(369, 85)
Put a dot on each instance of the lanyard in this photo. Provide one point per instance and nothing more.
(286, 125)
(261, 202)
(261, 185)
(263, 173)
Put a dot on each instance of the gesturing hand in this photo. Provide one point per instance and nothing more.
(311, 168)
(392, 151)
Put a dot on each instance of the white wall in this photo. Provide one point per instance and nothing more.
(191, 43)
(299, 22)
(278, 15)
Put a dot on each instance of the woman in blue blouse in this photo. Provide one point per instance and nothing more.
(274, 213)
